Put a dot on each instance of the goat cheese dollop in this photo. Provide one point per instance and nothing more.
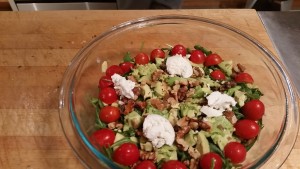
(178, 65)
(158, 130)
(217, 103)
(123, 86)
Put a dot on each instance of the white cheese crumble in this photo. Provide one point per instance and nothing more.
(178, 65)
(158, 130)
(123, 86)
(217, 103)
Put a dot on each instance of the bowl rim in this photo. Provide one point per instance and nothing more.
(77, 60)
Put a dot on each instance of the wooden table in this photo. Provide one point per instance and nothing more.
(36, 48)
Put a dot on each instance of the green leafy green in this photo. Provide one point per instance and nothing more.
(98, 105)
(183, 155)
(129, 133)
(214, 148)
(204, 50)
(251, 93)
(237, 112)
(127, 57)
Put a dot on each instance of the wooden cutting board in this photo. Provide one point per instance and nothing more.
(36, 48)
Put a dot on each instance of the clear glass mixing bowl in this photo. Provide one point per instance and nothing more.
(80, 81)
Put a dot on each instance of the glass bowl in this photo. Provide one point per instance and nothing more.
(80, 81)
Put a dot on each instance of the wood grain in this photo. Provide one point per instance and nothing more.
(36, 48)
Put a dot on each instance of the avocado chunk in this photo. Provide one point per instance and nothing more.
(209, 82)
(231, 91)
(160, 89)
(166, 153)
(240, 97)
(147, 69)
(171, 80)
(202, 144)
(189, 109)
(221, 131)
(173, 113)
(201, 91)
(147, 92)
(226, 66)
(133, 120)
(159, 61)
(152, 110)
(190, 138)
(146, 146)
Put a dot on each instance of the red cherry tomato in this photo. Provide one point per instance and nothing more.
(127, 154)
(102, 138)
(157, 53)
(217, 75)
(141, 59)
(109, 114)
(145, 165)
(173, 164)
(105, 82)
(253, 109)
(246, 129)
(208, 160)
(108, 95)
(212, 59)
(235, 151)
(197, 57)
(114, 69)
(126, 66)
(243, 78)
(178, 49)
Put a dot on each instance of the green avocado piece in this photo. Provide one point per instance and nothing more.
(209, 82)
(171, 80)
(146, 146)
(166, 153)
(190, 138)
(160, 89)
(133, 120)
(147, 92)
(152, 110)
(159, 61)
(231, 91)
(173, 113)
(146, 69)
(240, 97)
(189, 109)
(202, 144)
(226, 66)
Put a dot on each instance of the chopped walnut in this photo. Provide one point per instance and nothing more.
(204, 126)
(183, 121)
(156, 75)
(181, 94)
(241, 67)
(182, 144)
(146, 155)
(183, 131)
(158, 104)
(193, 164)
(128, 107)
(190, 92)
(197, 72)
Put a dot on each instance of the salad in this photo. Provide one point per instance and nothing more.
(179, 108)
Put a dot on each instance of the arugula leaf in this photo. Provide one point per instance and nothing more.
(237, 113)
(122, 141)
(216, 149)
(183, 155)
(127, 57)
(251, 93)
(129, 133)
(98, 105)
(204, 50)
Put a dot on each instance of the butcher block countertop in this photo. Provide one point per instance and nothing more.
(35, 50)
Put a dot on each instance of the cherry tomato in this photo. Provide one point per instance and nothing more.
(157, 53)
(145, 165)
(141, 59)
(109, 114)
(127, 154)
(208, 160)
(113, 69)
(126, 66)
(246, 129)
(178, 49)
(235, 151)
(212, 59)
(253, 109)
(217, 75)
(108, 95)
(102, 138)
(105, 82)
(197, 57)
(243, 78)
(173, 164)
